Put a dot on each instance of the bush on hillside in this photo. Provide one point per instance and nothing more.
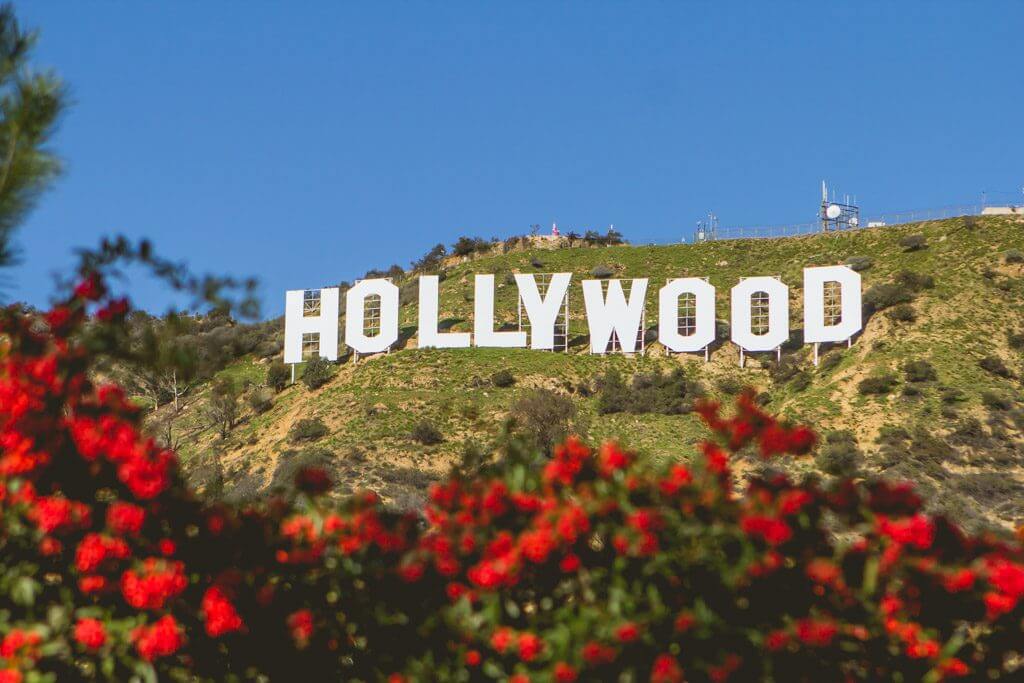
(536, 263)
(878, 384)
(913, 281)
(466, 246)
(995, 365)
(260, 400)
(601, 272)
(278, 375)
(431, 261)
(996, 400)
(316, 373)
(426, 433)
(885, 295)
(913, 242)
(308, 429)
(503, 379)
(1015, 340)
(903, 313)
(544, 417)
(654, 392)
(860, 263)
(919, 371)
(579, 566)
(840, 455)
(222, 407)
(1014, 256)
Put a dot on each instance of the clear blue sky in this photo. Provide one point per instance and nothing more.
(304, 143)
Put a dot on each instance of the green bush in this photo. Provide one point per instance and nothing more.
(860, 263)
(1014, 256)
(1015, 340)
(503, 379)
(261, 400)
(653, 392)
(995, 365)
(913, 242)
(915, 282)
(544, 417)
(841, 459)
(426, 433)
(278, 375)
(996, 400)
(885, 295)
(316, 373)
(308, 429)
(879, 384)
(919, 371)
(903, 313)
(601, 272)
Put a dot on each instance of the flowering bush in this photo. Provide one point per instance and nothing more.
(591, 566)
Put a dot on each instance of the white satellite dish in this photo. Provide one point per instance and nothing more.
(854, 221)
(833, 211)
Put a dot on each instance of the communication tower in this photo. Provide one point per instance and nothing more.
(835, 214)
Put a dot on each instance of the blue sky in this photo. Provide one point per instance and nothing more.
(304, 143)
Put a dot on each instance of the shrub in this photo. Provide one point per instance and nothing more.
(913, 242)
(536, 262)
(426, 433)
(952, 395)
(544, 417)
(1014, 256)
(308, 429)
(291, 463)
(594, 565)
(881, 296)
(222, 408)
(278, 375)
(730, 386)
(995, 365)
(503, 379)
(996, 400)
(654, 392)
(316, 373)
(915, 282)
(1015, 340)
(860, 263)
(840, 459)
(261, 400)
(879, 384)
(601, 272)
(919, 371)
(903, 313)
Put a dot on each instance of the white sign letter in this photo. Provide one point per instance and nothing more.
(614, 314)
(815, 327)
(355, 302)
(703, 316)
(543, 312)
(429, 337)
(324, 323)
(483, 318)
(777, 322)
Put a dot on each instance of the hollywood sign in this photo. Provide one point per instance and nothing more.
(610, 313)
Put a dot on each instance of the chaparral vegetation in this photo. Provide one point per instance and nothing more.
(585, 565)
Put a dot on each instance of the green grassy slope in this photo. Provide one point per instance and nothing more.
(955, 442)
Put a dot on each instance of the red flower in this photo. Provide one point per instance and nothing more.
(564, 673)
(529, 647)
(628, 632)
(300, 624)
(313, 480)
(160, 639)
(773, 530)
(501, 639)
(472, 658)
(537, 545)
(569, 564)
(158, 581)
(95, 549)
(595, 653)
(125, 518)
(219, 614)
(90, 633)
(91, 288)
(666, 670)
(10, 676)
(816, 632)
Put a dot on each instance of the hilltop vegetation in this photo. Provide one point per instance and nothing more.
(930, 391)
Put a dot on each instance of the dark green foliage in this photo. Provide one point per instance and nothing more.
(601, 271)
(831, 361)
(544, 417)
(291, 462)
(1015, 340)
(1014, 256)
(801, 381)
(903, 313)
(860, 263)
(503, 379)
(952, 395)
(278, 375)
(729, 385)
(995, 365)
(919, 371)
(32, 102)
(308, 429)
(969, 427)
(879, 384)
(915, 282)
(536, 262)
(430, 261)
(654, 392)
(222, 408)
(465, 246)
(885, 295)
(316, 373)
(996, 401)
(260, 400)
(839, 456)
(913, 242)
(426, 433)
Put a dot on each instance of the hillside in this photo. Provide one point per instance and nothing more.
(952, 421)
